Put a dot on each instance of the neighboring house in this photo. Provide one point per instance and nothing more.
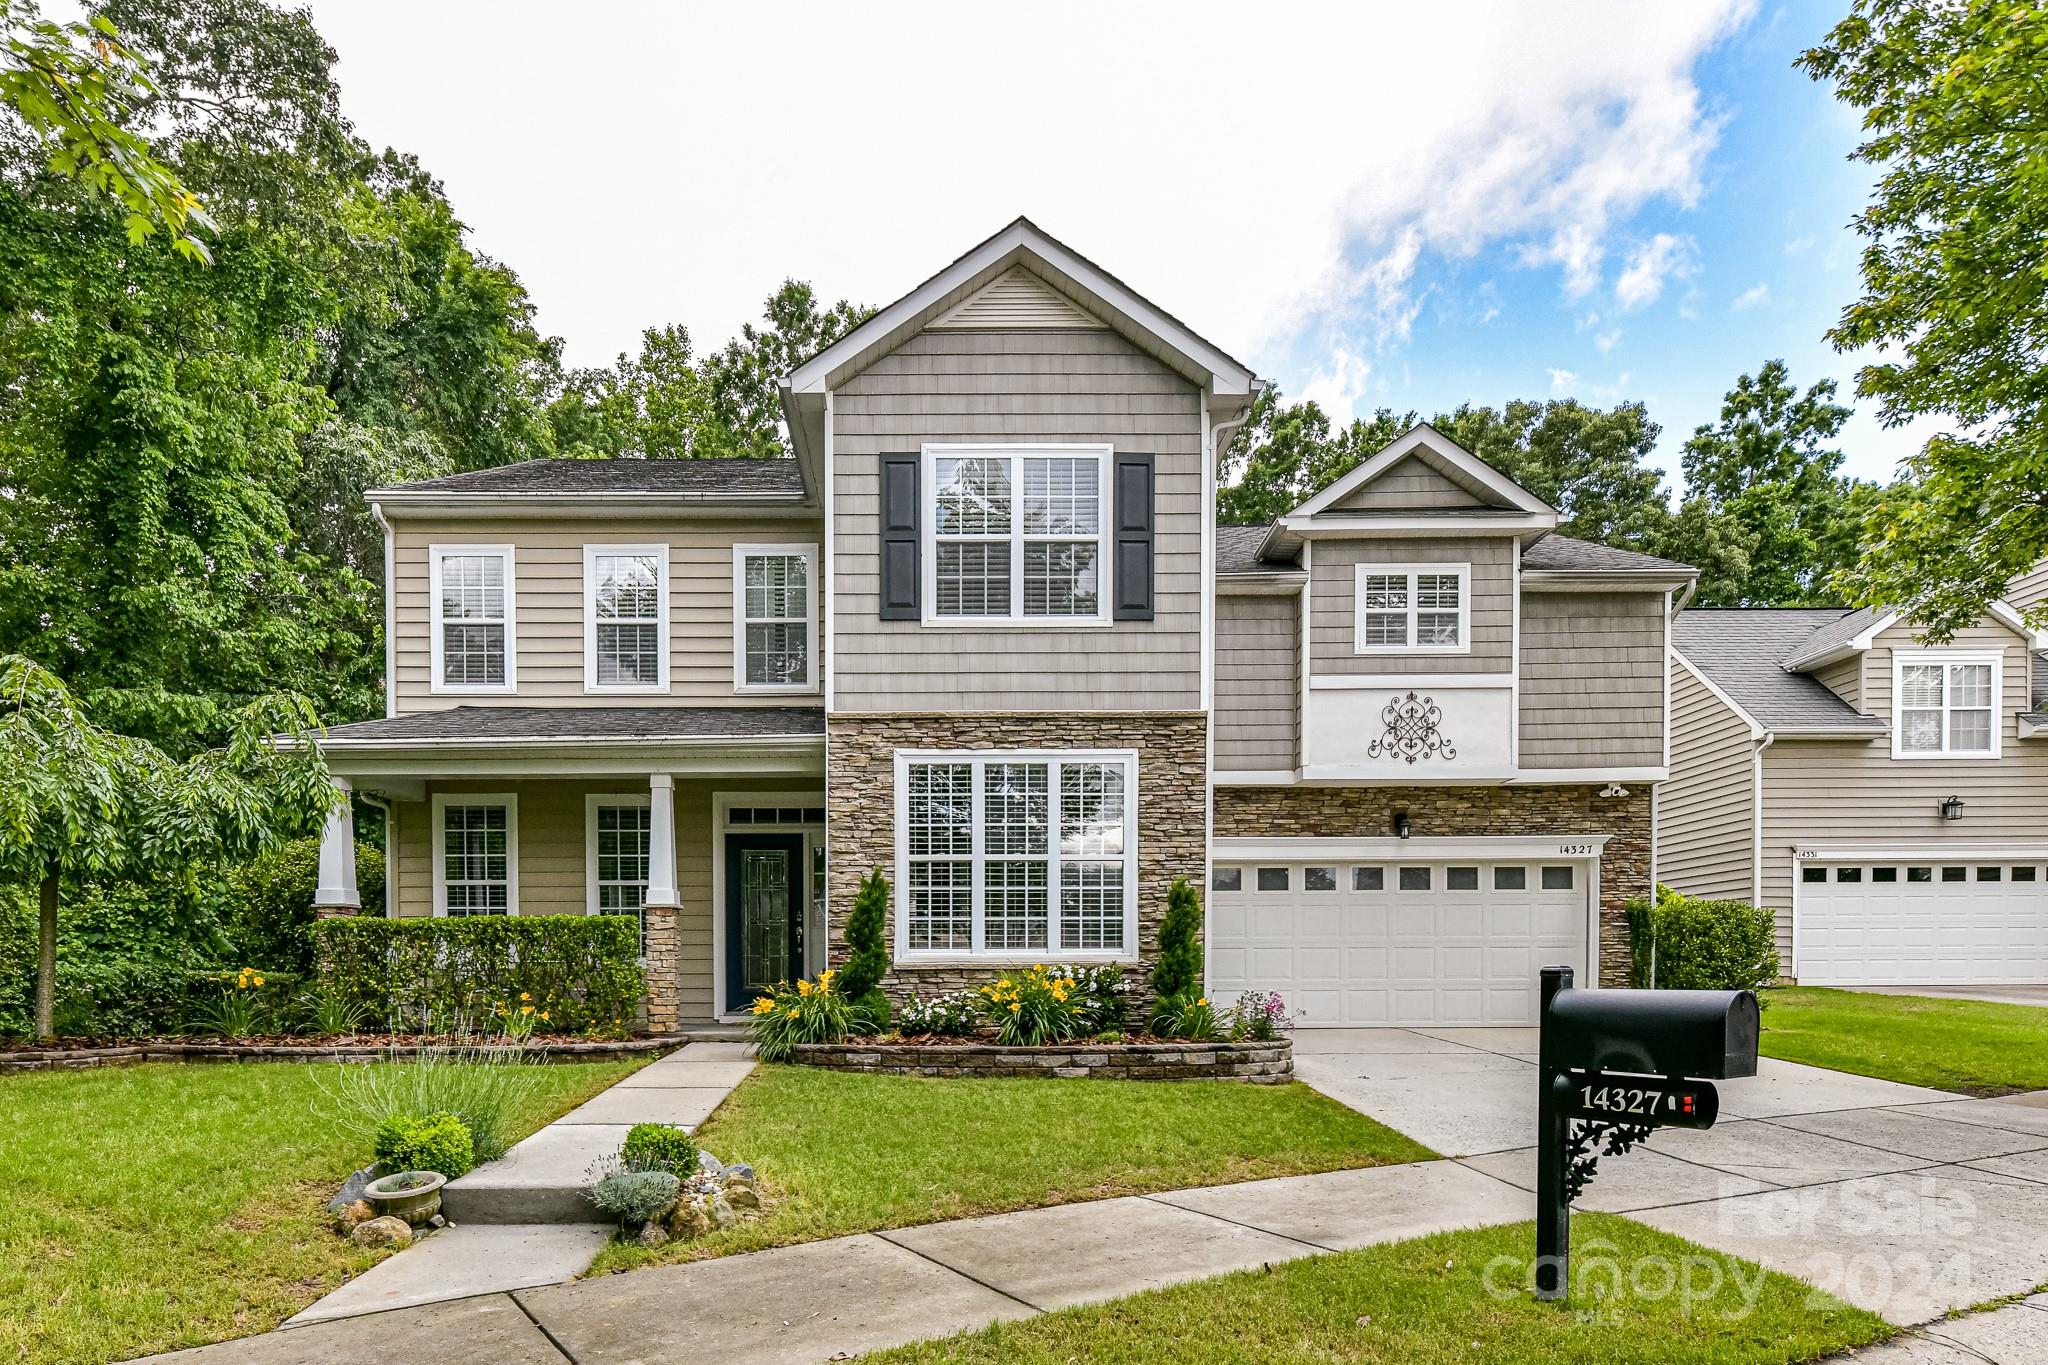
(1887, 798)
(983, 633)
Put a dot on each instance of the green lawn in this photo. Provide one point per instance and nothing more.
(841, 1152)
(1963, 1045)
(1429, 1302)
(149, 1207)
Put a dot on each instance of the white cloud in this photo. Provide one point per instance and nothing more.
(1298, 205)
(1798, 245)
(1751, 297)
(1664, 256)
(1606, 340)
(1561, 380)
(1337, 389)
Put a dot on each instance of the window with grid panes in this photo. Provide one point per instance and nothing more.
(1017, 536)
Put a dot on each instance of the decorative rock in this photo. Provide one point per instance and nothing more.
(352, 1215)
(352, 1188)
(739, 1170)
(387, 1231)
(722, 1214)
(740, 1194)
(689, 1221)
(651, 1236)
(708, 1163)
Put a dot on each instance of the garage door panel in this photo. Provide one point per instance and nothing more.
(1869, 929)
(1461, 921)
(1323, 919)
(1510, 919)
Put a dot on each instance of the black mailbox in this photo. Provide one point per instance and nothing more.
(1706, 1035)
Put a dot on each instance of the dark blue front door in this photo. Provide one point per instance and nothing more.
(764, 914)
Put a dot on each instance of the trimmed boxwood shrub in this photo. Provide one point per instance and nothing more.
(406, 973)
(1684, 943)
(438, 1142)
(659, 1147)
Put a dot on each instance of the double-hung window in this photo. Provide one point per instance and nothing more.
(1016, 533)
(618, 837)
(1944, 705)
(625, 618)
(476, 855)
(1023, 855)
(1403, 608)
(775, 618)
(472, 647)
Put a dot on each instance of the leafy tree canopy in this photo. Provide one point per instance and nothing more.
(1955, 291)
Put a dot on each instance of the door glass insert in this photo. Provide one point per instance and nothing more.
(1813, 874)
(1557, 879)
(1461, 878)
(1415, 879)
(1319, 879)
(1955, 874)
(1884, 874)
(1272, 879)
(1368, 879)
(1919, 874)
(1510, 878)
(1227, 879)
(1990, 874)
(2024, 874)
(1848, 874)
(764, 917)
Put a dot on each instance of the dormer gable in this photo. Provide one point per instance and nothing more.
(1423, 474)
(1016, 301)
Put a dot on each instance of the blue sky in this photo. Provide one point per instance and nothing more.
(1414, 206)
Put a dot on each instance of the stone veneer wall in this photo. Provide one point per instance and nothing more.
(860, 795)
(1258, 1063)
(1364, 812)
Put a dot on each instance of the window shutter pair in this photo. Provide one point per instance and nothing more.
(1129, 542)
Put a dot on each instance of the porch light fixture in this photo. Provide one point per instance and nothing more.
(1613, 790)
(1952, 809)
(1402, 827)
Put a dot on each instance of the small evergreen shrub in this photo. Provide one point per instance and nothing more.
(867, 958)
(438, 1142)
(635, 1197)
(1680, 942)
(1179, 968)
(659, 1147)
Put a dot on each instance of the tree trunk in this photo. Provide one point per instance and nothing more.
(46, 961)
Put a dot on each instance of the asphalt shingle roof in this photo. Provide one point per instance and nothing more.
(1237, 551)
(596, 724)
(1565, 553)
(1837, 632)
(1743, 651)
(736, 477)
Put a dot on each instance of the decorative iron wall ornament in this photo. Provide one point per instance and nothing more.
(1412, 730)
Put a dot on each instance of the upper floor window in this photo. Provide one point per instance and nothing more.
(625, 625)
(1411, 607)
(472, 643)
(1016, 533)
(1944, 705)
(774, 608)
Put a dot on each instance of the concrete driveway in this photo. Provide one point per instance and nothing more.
(1995, 995)
(1903, 1200)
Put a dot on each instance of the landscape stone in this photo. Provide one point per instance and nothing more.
(739, 1170)
(708, 1163)
(352, 1215)
(722, 1214)
(353, 1187)
(740, 1194)
(689, 1221)
(651, 1236)
(387, 1231)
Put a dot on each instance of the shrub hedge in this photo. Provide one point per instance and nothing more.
(1686, 943)
(582, 970)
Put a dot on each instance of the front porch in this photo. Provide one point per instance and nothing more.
(708, 823)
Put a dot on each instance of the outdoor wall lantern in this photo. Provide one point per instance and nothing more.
(1952, 809)
(1402, 826)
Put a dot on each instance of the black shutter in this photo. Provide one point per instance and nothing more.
(1133, 526)
(899, 538)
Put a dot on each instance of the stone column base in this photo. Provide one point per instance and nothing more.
(662, 955)
(335, 911)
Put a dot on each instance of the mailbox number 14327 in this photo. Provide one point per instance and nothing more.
(1620, 1099)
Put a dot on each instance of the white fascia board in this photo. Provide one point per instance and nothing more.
(1757, 729)
(598, 504)
(2006, 612)
(623, 743)
(1423, 434)
(1335, 524)
(1254, 777)
(1348, 775)
(2001, 611)
(1608, 580)
(1260, 584)
(1417, 849)
(1559, 777)
(1022, 239)
(1937, 852)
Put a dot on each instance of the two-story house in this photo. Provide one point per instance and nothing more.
(983, 633)
(1888, 798)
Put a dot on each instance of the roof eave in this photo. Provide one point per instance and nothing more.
(1675, 577)
(531, 744)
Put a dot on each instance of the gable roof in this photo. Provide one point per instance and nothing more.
(1860, 629)
(1742, 651)
(1018, 299)
(1240, 550)
(1499, 492)
(734, 479)
(1566, 554)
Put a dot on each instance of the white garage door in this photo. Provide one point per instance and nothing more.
(1397, 944)
(1931, 923)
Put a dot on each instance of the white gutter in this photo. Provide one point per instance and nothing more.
(390, 619)
(741, 742)
(1212, 438)
(1756, 817)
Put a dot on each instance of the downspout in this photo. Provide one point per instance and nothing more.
(1756, 817)
(1211, 451)
(390, 809)
(390, 644)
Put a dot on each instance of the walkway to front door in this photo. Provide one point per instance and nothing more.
(764, 914)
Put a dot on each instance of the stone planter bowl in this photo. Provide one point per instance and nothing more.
(414, 1196)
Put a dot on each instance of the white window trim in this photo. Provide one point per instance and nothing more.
(1128, 758)
(435, 554)
(1902, 658)
(591, 802)
(812, 591)
(927, 521)
(441, 802)
(1359, 572)
(590, 682)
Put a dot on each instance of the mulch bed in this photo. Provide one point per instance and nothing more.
(65, 1054)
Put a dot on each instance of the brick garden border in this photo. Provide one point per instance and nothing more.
(1258, 1063)
(129, 1054)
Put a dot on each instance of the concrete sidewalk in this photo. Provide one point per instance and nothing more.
(522, 1221)
(825, 1300)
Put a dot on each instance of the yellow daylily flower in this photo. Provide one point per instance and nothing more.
(526, 1009)
(764, 1006)
(525, 996)
(803, 988)
(790, 1013)
(259, 980)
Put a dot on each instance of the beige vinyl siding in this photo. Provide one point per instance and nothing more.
(1853, 792)
(1592, 675)
(1017, 386)
(548, 615)
(1410, 484)
(1333, 581)
(2029, 588)
(552, 867)
(1705, 813)
(1844, 678)
(1258, 686)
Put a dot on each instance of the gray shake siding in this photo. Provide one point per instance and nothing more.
(1592, 679)
(1333, 597)
(1258, 685)
(1410, 485)
(1012, 386)
(1705, 813)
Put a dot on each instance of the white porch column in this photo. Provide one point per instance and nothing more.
(661, 840)
(336, 893)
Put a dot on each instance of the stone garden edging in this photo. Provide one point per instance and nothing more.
(1267, 1063)
(129, 1054)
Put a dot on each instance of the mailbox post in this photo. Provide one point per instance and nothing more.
(1612, 1067)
